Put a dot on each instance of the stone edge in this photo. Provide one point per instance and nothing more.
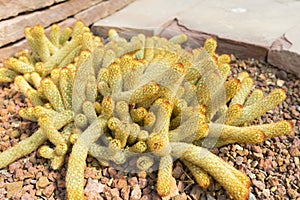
(282, 58)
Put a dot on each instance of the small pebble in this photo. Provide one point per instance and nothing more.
(42, 182)
(251, 175)
(121, 183)
(142, 183)
(133, 181)
(209, 197)
(180, 186)
(114, 192)
(257, 149)
(177, 172)
(251, 196)
(125, 192)
(285, 152)
(13, 188)
(254, 164)
(273, 189)
(136, 193)
(296, 161)
(266, 193)
(280, 83)
(93, 186)
(260, 185)
(239, 160)
(295, 151)
(196, 192)
(48, 190)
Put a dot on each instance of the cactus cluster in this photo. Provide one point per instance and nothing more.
(146, 97)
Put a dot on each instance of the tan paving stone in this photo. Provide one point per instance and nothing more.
(285, 52)
(12, 30)
(14, 7)
(149, 15)
(256, 22)
(197, 38)
(101, 10)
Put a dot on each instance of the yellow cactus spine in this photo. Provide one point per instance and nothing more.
(255, 96)
(233, 113)
(242, 94)
(18, 66)
(52, 134)
(164, 176)
(7, 75)
(215, 167)
(260, 107)
(76, 164)
(65, 87)
(202, 178)
(144, 93)
(52, 93)
(275, 129)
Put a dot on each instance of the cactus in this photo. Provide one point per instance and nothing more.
(146, 97)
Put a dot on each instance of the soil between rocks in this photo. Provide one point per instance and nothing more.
(273, 167)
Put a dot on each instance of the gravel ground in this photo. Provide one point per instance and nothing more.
(273, 166)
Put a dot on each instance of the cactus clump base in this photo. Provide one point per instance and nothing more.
(145, 98)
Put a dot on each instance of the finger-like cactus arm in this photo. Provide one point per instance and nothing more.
(76, 165)
(7, 75)
(242, 94)
(23, 148)
(164, 176)
(248, 135)
(235, 182)
(275, 129)
(202, 178)
(261, 107)
(31, 143)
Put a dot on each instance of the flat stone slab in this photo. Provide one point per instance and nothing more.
(101, 10)
(143, 15)
(11, 8)
(258, 22)
(245, 28)
(12, 30)
(285, 52)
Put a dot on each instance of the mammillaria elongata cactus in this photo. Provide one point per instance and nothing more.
(147, 97)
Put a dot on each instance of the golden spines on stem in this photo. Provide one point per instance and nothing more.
(7, 75)
(65, 86)
(164, 175)
(235, 183)
(52, 134)
(52, 93)
(260, 107)
(145, 92)
(202, 178)
(18, 66)
(275, 129)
